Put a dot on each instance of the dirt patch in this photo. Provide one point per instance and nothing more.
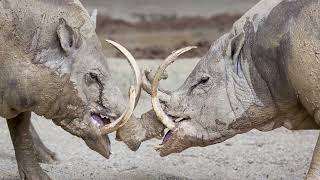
(156, 36)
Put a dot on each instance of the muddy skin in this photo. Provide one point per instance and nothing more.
(52, 64)
(143, 129)
(263, 74)
(24, 148)
(44, 155)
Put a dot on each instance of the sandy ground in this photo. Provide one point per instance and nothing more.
(280, 154)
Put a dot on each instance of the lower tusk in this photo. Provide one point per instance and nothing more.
(123, 119)
(166, 120)
(134, 66)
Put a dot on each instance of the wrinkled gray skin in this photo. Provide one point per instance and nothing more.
(51, 63)
(263, 74)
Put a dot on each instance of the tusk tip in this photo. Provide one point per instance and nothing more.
(188, 48)
(182, 50)
(114, 43)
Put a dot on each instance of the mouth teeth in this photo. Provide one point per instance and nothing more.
(99, 120)
(104, 117)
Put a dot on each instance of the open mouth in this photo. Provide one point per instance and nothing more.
(166, 137)
(169, 134)
(100, 120)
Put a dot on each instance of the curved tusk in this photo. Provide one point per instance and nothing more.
(166, 120)
(146, 86)
(123, 119)
(134, 67)
(150, 76)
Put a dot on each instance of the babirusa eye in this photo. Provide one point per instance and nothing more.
(93, 75)
(91, 78)
(204, 79)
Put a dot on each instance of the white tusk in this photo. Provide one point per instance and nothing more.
(166, 120)
(123, 119)
(146, 86)
(134, 66)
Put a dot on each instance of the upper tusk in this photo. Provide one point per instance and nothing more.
(123, 119)
(150, 76)
(134, 66)
(166, 120)
(146, 86)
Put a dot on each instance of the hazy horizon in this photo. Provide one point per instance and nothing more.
(125, 9)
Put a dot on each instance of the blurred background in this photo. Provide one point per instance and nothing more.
(151, 29)
(154, 28)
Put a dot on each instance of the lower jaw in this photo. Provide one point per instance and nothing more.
(218, 139)
(108, 141)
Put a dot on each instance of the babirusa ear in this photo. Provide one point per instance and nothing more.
(94, 18)
(69, 37)
(235, 46)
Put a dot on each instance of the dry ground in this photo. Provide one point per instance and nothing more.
(280, 154)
